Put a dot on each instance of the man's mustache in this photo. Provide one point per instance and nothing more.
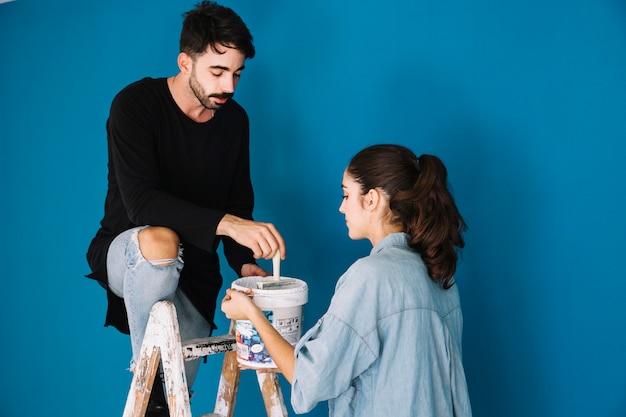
(223, 95)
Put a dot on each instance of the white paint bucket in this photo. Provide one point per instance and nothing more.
(282, 306)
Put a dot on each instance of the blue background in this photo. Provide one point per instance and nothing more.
(524, 100)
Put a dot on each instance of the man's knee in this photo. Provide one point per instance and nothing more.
(158, 243)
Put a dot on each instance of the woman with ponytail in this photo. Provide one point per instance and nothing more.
(390, 342)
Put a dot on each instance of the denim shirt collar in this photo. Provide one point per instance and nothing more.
(399, 239)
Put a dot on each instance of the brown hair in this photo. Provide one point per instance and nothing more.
(419, 199)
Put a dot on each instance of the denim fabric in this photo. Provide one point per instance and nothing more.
(389, 344)
(141, 284)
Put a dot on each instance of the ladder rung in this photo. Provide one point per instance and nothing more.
(198, 348)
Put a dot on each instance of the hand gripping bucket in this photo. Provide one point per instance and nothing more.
(282, 306)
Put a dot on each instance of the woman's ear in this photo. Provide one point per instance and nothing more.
(372, 199)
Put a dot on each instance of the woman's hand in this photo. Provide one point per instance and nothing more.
(238, 305)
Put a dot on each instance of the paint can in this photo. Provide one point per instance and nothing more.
(283, 307)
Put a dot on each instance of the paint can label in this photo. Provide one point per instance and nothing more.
(250, 348)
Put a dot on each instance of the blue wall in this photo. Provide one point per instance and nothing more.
(525, 101)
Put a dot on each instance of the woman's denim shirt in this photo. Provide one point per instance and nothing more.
(389, 344)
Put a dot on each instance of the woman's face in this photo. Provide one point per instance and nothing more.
(352, 207)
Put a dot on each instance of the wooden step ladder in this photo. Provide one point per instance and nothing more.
(162, 344)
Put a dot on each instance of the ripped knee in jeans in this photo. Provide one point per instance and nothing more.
(161, 262)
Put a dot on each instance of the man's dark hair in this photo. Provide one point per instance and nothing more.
(212, 25)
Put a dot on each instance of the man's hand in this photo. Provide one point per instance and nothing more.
(253, 270)
(262, 238)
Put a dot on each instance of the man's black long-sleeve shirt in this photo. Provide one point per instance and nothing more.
(167, 170)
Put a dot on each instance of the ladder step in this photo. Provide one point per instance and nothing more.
(198, 348)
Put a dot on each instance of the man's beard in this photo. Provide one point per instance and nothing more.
(203, 97)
